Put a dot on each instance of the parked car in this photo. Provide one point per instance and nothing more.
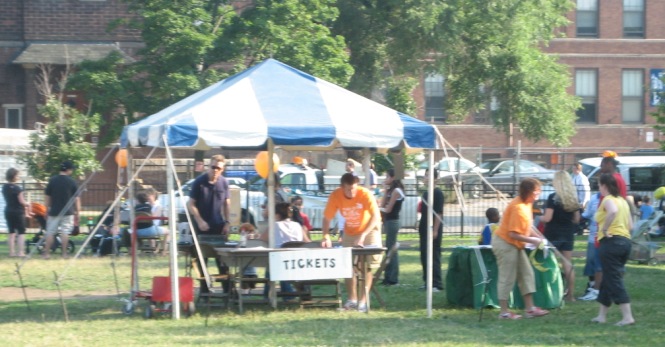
(504, 175)
(641, 173)
(448, 167)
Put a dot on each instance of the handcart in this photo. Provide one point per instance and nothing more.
(159, 297)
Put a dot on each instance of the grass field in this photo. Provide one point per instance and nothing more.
(98, 321)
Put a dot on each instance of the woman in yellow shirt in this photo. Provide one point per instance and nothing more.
(615, 222)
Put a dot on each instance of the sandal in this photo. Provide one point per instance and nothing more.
(622, 323)
(536, 312)
(509, 315)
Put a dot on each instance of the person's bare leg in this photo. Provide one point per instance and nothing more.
(570, 274)
(11, 241)
(528, 301)
(602, 314)
(64, 238)
(503, 304)
(366, 288)
(351, 285)
(47, 246)
(20, 242)
(626, 314)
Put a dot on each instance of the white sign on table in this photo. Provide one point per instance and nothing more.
(311, 264)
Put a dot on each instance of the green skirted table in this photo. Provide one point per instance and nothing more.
(470, 267)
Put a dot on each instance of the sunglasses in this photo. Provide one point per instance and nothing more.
(216, 168)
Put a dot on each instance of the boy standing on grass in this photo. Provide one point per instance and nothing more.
(493, 218)
(592, 268)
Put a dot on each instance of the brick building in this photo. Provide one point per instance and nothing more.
(36, 33)
(612, 48)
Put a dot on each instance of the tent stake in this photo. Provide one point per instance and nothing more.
(62, 300)
(23, 286)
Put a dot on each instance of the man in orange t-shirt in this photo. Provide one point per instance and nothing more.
(362, 222)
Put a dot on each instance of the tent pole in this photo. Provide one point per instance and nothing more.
(132, 215)
(366, 163)
(173, 252)
(430, 232)
(271, 214)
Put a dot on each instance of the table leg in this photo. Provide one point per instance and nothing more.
(365, 286)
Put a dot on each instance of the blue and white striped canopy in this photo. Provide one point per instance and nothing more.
(275, 101)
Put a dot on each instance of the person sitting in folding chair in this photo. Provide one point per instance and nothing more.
(286, 230)
(147, 229)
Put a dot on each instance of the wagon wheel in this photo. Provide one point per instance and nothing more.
(149, 311)
(653, 261)
(128, 308)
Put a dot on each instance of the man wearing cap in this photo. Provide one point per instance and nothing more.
(209, 205)
(362, 222)
(63, 213)
(209, 201)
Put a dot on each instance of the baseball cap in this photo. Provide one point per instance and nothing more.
(609, 154)
(67, 165)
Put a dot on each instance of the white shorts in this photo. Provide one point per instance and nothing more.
(64, 224)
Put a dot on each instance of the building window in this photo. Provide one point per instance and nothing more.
(13, 116)
(587, 18)
(586, 87)
(632, 96)
(633, 18)
(434, 97)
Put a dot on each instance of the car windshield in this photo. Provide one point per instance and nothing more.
(450, 164)
(489, 165)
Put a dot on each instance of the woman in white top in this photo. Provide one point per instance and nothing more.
(285, 229)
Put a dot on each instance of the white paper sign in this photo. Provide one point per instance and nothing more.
(311, 264)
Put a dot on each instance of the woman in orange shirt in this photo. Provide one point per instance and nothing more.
(514, 232)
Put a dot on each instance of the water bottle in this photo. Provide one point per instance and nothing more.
(243, 238)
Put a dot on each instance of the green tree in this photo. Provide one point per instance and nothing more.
(190, 44)
(63, 137)
(659, 115)
(489, 48)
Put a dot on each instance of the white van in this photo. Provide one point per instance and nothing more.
(641, 173)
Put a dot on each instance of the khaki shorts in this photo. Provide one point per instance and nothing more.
(373, 239)
(55, 224)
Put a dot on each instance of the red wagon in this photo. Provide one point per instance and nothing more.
(159, 297)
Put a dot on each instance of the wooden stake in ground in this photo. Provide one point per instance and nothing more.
(62, 300)
(20, 279)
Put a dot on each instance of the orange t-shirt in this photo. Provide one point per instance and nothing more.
(517, 217)
(357, 211)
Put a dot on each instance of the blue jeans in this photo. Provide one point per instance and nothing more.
(391, 273)
(284, 286)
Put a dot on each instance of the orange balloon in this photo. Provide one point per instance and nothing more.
(121, 158)
(261, 164)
